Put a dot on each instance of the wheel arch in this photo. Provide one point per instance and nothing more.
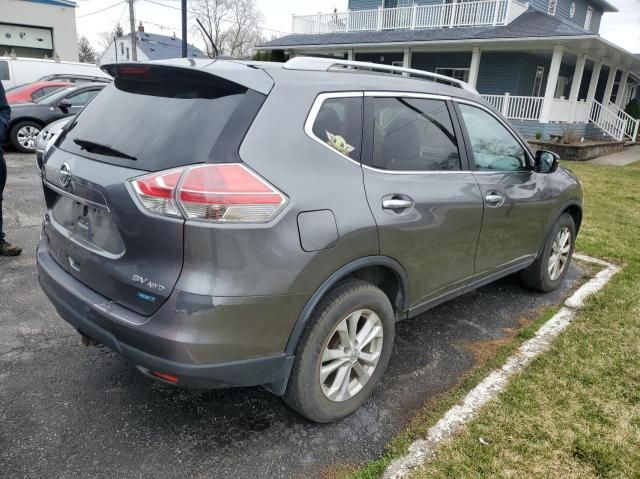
(572, 207)
(383, 271)
(21, 119)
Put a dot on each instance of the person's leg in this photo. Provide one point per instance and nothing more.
(3, 180)
(6, 249)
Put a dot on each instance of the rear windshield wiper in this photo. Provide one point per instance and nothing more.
(99, 149)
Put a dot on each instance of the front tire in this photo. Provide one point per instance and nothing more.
(23, 136)
(343, 352)
(551, 266)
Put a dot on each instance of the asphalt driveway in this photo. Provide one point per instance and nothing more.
(68, 411)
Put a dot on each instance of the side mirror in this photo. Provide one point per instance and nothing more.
(64, 105)
(546, 161)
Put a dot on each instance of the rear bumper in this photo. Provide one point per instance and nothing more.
(177, 340)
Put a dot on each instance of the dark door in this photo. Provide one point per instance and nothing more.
(517, 200)
(427, 205)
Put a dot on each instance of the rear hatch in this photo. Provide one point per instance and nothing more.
(152, 118)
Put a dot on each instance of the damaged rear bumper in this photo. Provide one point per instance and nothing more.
(205, 342)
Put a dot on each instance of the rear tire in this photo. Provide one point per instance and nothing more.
(329, 344)
(23, 136)
(551, 266)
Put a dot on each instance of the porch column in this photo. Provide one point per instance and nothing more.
(622, 86)
(609, 87)
(350, 55)
(406, 59)
(552, 81)
(475, 66)
(575, 87)
(593, 83)
(577, 78)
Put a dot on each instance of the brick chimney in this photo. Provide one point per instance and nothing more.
(141, 27)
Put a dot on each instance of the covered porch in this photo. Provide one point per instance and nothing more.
(553, 81)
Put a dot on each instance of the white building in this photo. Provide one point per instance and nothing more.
(149, 46)
(39, 28)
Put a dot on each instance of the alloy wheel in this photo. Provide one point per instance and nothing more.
(351, 355)
(559, 255)
(27, 136)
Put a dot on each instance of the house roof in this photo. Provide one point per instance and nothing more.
(57, 3)
(162, 47)
(531, 24)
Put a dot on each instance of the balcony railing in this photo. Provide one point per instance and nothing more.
(461, 14)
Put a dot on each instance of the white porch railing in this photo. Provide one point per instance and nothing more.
(461, 14)
(517, 107)
(608, 120)
(614, 121)
(631, 124)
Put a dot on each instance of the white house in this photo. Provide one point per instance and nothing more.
(149, 46)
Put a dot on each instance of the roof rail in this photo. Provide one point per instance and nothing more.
(327, 64)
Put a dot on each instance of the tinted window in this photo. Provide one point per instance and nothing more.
(4, 70)
(412, 134)
(44, 91)
(494, 147)
(339, 124)
(81, 99)
(163, 117)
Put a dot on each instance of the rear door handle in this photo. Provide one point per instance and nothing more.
(494, 198)
(397, 202)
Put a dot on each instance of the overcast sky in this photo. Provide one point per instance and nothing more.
(621, 28)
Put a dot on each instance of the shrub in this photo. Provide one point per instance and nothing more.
(633, 109)
(538, 135)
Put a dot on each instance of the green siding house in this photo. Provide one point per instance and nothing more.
(541, 63)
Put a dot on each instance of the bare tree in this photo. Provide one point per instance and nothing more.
(244, 32)
(214, 15)
(233, 25)
(105, 38)
(86, 53)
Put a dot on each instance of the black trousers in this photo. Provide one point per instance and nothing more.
(3, 181)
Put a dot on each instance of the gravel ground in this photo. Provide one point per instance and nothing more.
(68, 411)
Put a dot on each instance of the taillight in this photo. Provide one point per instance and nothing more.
(156, 192)
(228, 192)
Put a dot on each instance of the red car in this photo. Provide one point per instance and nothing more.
(33, 91)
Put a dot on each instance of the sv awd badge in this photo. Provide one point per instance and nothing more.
(136, 278)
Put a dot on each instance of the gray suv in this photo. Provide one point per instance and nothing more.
(239, 223)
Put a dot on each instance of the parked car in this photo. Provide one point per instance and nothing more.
(19, 71)
(47, 136)
(27, 119)
(71, 78)
(32, 91)
(237, 224)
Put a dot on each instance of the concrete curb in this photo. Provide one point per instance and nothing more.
(488, 389)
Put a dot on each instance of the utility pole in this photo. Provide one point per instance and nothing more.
(132, 25)
(184, 28)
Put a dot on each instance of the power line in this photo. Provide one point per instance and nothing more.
(196, 13)
(98, 11)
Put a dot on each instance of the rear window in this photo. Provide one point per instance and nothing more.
(158, 118)
(4, 70)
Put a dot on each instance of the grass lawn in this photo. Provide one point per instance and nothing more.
(575, 411)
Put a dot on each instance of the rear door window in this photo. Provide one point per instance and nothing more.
(158, 118)
(414, 134)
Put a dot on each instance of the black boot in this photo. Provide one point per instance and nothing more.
(7, 249)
